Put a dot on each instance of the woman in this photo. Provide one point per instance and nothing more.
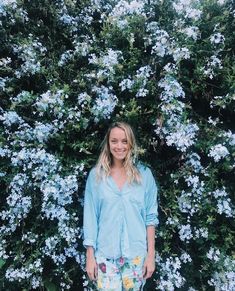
(120, 215)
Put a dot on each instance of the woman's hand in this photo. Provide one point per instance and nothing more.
(149, 266)
(91, 265)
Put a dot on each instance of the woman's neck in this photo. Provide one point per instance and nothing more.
(117, 164)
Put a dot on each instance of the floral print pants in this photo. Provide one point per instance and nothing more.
(120, 274)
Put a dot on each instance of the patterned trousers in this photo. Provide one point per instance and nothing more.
(120, 274)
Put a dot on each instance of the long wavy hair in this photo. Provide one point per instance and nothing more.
(105, 160)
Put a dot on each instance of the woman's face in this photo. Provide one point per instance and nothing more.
(118, 143)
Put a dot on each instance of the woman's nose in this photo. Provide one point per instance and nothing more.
(119, 144)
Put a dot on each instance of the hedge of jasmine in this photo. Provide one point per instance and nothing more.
(67, 69)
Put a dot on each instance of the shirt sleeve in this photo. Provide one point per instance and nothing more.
(90, 213)
(151, 200)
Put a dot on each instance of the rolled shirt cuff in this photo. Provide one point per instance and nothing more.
(89, 243)
(151, 219)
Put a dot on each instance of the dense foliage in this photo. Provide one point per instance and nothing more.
(67, 69)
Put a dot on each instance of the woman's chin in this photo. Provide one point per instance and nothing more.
(119, 157)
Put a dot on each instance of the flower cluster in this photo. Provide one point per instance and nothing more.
(218, 152)
(224, 279)
(212, 66)
(182, 135)
(51, 102)
(82, 48)
(170, 273)
(29, 54)
(159, 39)
(172, 89)
(217, 38)
(222, 101)
(105, 102)
(124, 8)
(106, 63)
(57, 193)
(188, 8)
(138, 83)
(11, 117)
(19, 204)
(191, 32)
(3, 82)
(186, 233)
(224, 205)
(70, 68)
(32, 271)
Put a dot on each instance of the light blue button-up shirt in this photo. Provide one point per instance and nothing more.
(115, 220)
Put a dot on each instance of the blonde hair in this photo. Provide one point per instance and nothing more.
(104, 163)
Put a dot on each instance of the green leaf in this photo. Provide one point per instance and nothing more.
(50, 286)
(2, 263)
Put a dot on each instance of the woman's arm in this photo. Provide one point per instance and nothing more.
(91, 265)
(90, 215)
(149, 264)
(151, 240)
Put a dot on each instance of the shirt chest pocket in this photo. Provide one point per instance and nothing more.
(136, 198)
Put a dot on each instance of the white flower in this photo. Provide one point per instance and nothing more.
(143, 72)
(213, 254)
(111, 58)
(82, 48)
(192, 32)
(185, 203)
(172, 89)
(193, 160)
(104, 103)
(185, 8)
(170, 276)
(185, 258)
(218, 152)
(180, 54)
(65, 58)
(126, 84)
(219, 193)
(170, 68)
(3, 82)
(5, 61)
(106, 62)
(43, 131)
(93, 59)
(201, 232)
(8, 2)
(223, 206)
(123, 8)
(11, 117)
(213, 121)
(221, 2)
(192, 181)
(182, 137)
(213, 63)
(122, 23)
(142, 92)
(230, 136)
(185, 233)
(29, 54)
(83, 98)
(172, 221)
(51, 101)
(217, 38)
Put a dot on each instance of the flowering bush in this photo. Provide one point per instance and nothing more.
(70, 67)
